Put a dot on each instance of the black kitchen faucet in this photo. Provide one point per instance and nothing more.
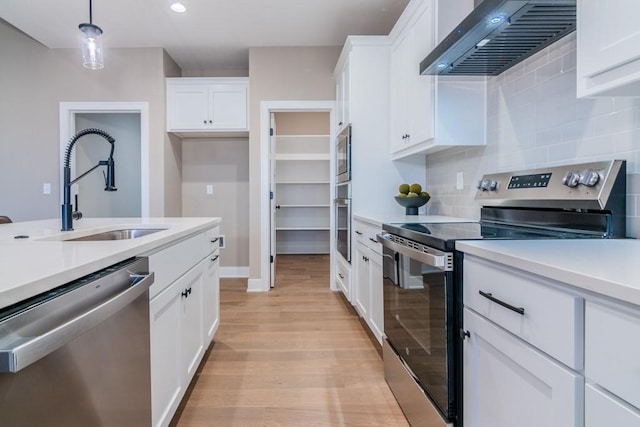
(68, 214)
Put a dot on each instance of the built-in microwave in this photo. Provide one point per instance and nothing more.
(343, 155)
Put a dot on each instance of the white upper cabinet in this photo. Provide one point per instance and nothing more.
(343, 96)
(412, 97)
(207, 104)
(430, 113)
(608, 48)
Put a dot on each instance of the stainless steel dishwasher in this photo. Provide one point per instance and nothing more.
(79, 354)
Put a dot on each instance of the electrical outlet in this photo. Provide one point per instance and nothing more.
(210, 189)
(46, 188)
(459, 181)
(221, 237)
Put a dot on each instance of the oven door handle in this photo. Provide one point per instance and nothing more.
(433, 258)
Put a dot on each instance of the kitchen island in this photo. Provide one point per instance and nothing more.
(35, 256)
(182, 303)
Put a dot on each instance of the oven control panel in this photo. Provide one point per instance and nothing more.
(581, 186)
(530, 181)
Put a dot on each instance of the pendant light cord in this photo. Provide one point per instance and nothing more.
(90, 12)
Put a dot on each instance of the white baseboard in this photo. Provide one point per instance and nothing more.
(234, 272)
(255, 285)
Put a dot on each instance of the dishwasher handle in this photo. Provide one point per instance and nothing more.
(27, 352)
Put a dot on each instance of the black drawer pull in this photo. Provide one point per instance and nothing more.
(373, 240)
(519, 310)
(341, 276)
(214, 240)
(359, 233)
(215, 258)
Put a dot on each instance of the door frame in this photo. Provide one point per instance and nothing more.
(68, 111)
(266, 108)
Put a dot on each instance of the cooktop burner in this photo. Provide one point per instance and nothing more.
(443, 236)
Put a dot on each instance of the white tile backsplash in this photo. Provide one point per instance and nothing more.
(534, 120)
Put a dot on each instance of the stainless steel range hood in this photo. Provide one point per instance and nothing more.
(498, 34)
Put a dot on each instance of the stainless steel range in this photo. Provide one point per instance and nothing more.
(423, 272)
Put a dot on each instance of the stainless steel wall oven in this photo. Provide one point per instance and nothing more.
(343, 219)
(343, 155)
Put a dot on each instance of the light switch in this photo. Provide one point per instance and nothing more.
(46, 188)
(209, 189)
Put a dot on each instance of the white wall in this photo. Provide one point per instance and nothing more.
(535, 120)
(33, 82)
(281, 74)
(90, 149)
(224, 164)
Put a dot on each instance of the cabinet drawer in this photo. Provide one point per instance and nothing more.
(367, 234)
(343, 278)
(213, 239)
(170, 263)
(551, 319)
(601, 409)
(612, 350)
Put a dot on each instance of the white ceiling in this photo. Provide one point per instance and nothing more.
(212, 34)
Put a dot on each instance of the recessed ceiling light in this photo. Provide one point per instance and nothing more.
(178, 7)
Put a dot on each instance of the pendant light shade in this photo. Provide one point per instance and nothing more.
(91, 44)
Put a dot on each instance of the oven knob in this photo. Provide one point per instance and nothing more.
(571, 179)
(487, 185)
(589, 178)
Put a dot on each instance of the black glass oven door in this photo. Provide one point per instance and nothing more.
(343, 231)
(417, 304)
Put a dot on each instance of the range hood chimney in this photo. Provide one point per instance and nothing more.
(498, 34)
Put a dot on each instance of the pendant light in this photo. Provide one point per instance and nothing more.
(91, 44)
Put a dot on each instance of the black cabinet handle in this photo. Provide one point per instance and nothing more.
(341, 276)
(359, 233)
(519, 310)
(204, 121)
(339, 123)
(215, 258)
(464, 334)
(210, 122)
(277, 206)
(186, 292)
(373, 240)
(214, 240)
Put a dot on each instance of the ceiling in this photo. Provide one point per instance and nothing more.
(211, 34)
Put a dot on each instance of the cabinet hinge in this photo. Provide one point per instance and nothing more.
(271, 259)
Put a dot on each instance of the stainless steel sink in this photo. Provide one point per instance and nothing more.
(125, 234)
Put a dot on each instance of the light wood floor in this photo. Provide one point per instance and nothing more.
(295, 356)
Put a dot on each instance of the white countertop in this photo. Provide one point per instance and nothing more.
(36, 264)
(379, 219)
(609, 267)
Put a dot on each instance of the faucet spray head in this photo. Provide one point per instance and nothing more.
(110, 177)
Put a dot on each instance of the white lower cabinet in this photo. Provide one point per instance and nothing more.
(604, 409)
(538, 352)
(509, 383)
(184, 316)
(361, 291)
(612, 364)
(211, 297)
(165, 311)
(191, 321)
(367, 290)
